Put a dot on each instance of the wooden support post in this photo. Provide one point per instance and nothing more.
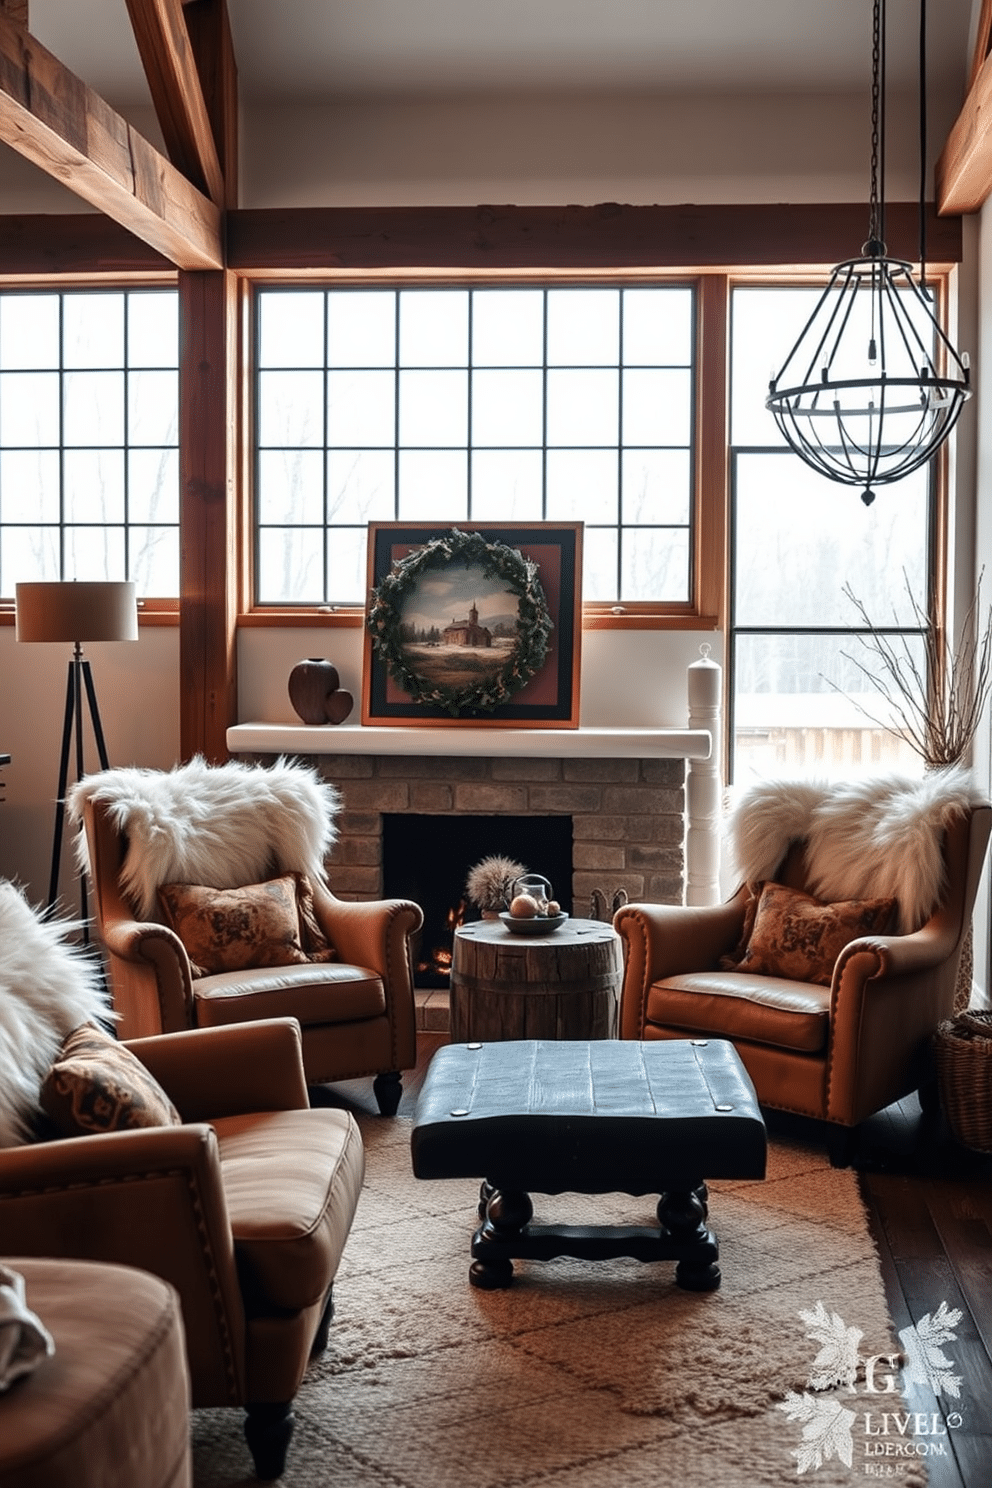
(209, 419)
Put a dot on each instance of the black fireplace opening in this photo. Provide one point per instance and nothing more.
(427, 859)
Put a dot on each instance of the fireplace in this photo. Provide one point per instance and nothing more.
(627, 814)
(426, 858)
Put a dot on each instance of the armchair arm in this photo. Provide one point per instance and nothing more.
(231, 1070)
(661, 940)
(888, 995)
(371, 932)
(152, 967)
(152, 1199)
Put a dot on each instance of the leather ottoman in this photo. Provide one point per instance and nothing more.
(111, 1406)
(590, 1117)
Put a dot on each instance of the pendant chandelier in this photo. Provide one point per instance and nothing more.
(873, 386)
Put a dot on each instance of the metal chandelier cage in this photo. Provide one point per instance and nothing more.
(873, 386)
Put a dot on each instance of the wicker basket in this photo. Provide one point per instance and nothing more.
(964, 1071)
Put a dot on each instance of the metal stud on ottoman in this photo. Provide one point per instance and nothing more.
(591, 1117)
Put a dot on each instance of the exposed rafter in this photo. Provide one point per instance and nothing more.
(983, 37)
(964, 170)
(170, 67)
(53, 119)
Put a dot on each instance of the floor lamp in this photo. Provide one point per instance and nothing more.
(77, 612)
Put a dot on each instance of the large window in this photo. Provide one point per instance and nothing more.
(89, 484)
(475, 404)
(803, 549)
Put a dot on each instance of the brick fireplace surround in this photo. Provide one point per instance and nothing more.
(625, 791)
(627, 814)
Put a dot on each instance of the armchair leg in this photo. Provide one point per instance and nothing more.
(929, 1097)
(268, 1428)
(842, 1144)
(387, 1089)
(324, 1326)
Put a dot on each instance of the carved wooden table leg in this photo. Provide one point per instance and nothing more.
(506, 1218)
(682, 1212)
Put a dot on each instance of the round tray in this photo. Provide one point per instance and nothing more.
(536, 925)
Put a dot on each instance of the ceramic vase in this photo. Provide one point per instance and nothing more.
(311, 683)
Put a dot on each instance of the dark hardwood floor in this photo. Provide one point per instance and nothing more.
(929, 1203)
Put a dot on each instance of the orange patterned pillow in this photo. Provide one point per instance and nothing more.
(799, 937)
(96, 1085)
(265, 924)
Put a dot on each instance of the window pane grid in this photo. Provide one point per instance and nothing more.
(497, 404)
(89, 438)
(800, 656)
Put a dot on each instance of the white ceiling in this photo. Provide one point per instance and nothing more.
(325, 49)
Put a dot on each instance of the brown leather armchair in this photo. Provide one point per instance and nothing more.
(836, 1053)
(245, 1209)
(357, 1012)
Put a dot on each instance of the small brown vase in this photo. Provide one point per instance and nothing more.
(311, 682)
(337, 706)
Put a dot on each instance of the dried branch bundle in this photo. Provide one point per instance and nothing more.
(489, 883)
(938, 707)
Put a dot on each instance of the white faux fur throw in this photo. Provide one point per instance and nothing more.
(865, 839)
(48, 987)
(223, 826)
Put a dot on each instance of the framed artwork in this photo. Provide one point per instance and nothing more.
(477, 624)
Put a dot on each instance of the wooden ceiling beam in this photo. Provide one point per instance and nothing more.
(53, 119)
(209, 28)
(608, 236)
(964, 170)
(170, 67)
(983, 35)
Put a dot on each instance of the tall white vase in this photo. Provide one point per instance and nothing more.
(703, 784)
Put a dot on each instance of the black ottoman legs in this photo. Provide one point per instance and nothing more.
(506, 1232)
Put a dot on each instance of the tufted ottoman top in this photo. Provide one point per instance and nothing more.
(600, 1116)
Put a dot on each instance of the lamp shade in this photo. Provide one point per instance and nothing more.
(77, 611)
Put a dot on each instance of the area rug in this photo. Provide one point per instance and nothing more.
(592, 1375)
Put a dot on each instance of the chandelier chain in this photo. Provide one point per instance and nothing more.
(875, 225)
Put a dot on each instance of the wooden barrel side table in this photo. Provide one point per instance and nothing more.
(562, 985)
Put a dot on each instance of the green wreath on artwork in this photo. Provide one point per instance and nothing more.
(496, 560)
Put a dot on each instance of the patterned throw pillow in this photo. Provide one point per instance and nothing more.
(799, 937)
(97, 1085)
(265, 924)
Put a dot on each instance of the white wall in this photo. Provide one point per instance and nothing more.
(137, 689)
(537, 151)
(981, 234)
(637, 678)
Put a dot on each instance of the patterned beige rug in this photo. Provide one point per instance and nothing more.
(591, 1375)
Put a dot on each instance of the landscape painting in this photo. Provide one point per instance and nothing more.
(459, 625)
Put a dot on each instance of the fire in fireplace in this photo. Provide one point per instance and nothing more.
(427, 859)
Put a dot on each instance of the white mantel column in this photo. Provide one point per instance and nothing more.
(702, 785)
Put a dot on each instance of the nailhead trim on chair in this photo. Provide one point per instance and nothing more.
(123, 1178)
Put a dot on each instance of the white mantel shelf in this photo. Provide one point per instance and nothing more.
(529, 743)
